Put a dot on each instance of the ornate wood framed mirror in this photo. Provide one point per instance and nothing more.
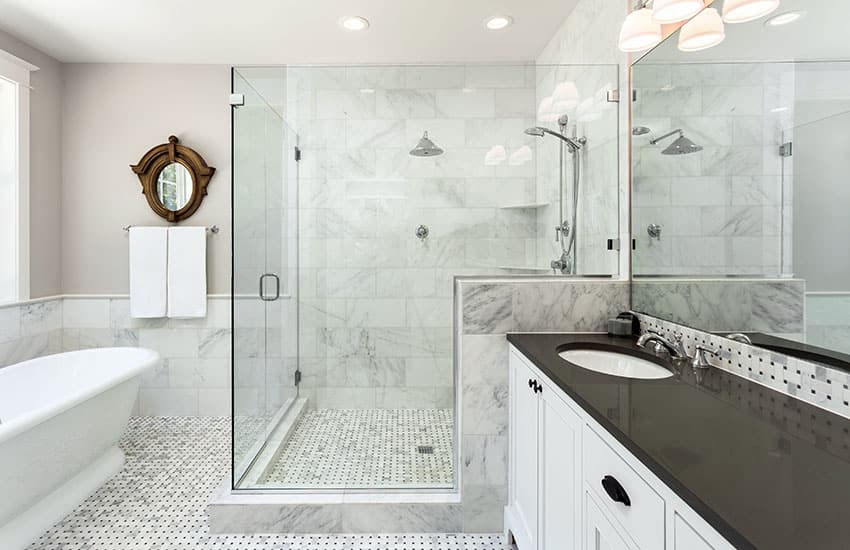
(174, 179)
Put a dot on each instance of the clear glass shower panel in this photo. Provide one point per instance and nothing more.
(264, 259)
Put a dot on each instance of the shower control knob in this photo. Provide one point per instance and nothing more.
(422, 232)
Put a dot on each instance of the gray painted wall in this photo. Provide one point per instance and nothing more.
(114, 113)
(45, 167)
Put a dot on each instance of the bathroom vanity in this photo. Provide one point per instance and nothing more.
(608, 462)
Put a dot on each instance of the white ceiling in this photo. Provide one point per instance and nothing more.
(820, 35)
(281, 31)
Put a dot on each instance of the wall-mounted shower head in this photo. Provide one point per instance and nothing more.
(680, 146)
(538, 131)
(426, 148)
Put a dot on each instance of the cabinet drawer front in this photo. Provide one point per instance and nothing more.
(643, 518)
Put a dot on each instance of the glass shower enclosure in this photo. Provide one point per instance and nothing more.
(346, 247)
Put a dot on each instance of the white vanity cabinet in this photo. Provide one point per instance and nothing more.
(559, 457)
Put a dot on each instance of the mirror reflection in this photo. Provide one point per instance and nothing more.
(174, 186)
(740, 191)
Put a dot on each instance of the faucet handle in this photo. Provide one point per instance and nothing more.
(700, 361)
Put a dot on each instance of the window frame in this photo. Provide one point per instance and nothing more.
(18, 71)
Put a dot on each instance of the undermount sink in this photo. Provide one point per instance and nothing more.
(615, 364)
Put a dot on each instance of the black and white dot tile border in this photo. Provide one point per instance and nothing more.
(816, 384)
(158, 501)
(367, 448)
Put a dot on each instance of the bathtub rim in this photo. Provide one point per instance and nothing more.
(10, 428)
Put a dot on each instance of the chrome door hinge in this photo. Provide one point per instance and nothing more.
(297, 154)
(613, 96)
(237, 100)
(786, 149)
(613, 244)
(297, 377)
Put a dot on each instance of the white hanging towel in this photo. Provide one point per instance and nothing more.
(148, 265)
(187, 272)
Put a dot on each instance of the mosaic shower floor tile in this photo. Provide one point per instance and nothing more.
(365, 448)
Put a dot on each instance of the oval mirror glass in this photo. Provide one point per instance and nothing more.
(174, 186)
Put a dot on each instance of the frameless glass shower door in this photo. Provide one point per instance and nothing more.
(265, 184)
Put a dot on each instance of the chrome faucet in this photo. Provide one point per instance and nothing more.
(564, 264)
(675, 347)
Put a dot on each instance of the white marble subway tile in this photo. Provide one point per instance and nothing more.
(10, 323)
(518, 102)
(371, 134)
(168, 402)
(428, 312)
(405, 104)
(485, 459)
(41, 317)
(85, 313)
(467, 103)
(434, 77)
(214, 402)
(198, 372)
(429, 372)
(170, 342)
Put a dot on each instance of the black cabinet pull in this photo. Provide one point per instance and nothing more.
(615, 490)
(538, 388)
(531, 383)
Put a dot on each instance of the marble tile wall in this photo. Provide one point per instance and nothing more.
(30, 330)
(194, 376)
(487, 309)
(589, 37)
(376, 302)
(828, 320)
(774, 306)
(721, 209)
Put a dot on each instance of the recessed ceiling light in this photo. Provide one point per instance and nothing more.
(784, 18)
(498, 22)
(354, 23)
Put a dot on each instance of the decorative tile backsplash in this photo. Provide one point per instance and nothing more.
(816, 384)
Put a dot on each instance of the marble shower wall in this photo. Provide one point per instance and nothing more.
(828, 321)
(487, 309)
(589, 37)
(721, 209)
(30, 330)
(376, 302)
(773, 306)
(596, 119)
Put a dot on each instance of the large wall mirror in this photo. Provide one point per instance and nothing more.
(741, 181)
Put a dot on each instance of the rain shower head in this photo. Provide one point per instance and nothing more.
(680, 146)
(426, 148)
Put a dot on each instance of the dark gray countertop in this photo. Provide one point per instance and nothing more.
(763, 468)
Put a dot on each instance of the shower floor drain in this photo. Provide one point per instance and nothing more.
(425, 449)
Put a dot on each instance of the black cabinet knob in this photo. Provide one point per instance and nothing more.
(615, 490)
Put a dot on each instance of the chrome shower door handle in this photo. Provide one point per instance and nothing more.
(263, 287)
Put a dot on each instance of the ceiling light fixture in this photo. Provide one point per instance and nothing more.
(639, 32)
(354, 23)
(743, 11)
(673, 11)
(498, 22)
(704, 31)
(784, 18)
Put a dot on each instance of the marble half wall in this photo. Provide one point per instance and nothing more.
(486, 310)
(773, 306)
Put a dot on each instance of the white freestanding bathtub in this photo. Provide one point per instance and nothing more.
(60, 420)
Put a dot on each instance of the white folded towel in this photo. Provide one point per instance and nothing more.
(148, 265)
(187, 272)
